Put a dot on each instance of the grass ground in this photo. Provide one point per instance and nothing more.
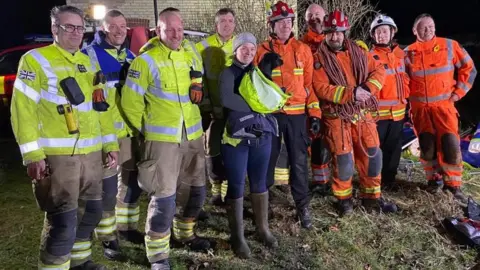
(414, 239)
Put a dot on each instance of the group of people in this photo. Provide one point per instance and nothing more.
(99, 126)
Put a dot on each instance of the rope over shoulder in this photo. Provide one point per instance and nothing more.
(353, 111)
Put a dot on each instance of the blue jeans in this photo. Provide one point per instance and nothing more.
(251, 156)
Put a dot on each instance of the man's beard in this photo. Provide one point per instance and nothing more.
(335, 46)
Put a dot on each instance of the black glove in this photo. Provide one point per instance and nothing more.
(269, 62)
(315, 125)
(122, 77)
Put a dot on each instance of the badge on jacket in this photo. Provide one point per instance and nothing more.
(27, 75)
(317, 65)
(82, 68)
(134, 74)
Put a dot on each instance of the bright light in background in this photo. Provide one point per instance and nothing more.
(99, 12)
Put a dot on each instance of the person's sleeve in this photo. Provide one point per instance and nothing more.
(406, 83)
(228, 98)
(313, 106)
(23, 109)
(339, 94)
(376, 75)
(466, 71)
(107, 124)
(133, 92)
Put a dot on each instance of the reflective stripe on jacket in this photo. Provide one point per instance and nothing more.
(295, 75)
(155, 97)
(216, 56)
(432, 65)
(330, 93)
(110, 61)
(392, 103)
(39, 128)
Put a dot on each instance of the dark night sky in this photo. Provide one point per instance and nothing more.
(18, 17)
(452, 20)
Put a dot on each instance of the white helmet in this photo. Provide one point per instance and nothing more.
(382, 20)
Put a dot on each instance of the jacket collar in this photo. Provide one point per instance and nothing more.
(72, 57)
(240, 65)
(312, 36)
(219, 39)
(427, 44)
(100, 40)
(385, 47)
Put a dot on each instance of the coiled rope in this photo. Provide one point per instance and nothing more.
(354, 110)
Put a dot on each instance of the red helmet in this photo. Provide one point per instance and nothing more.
(280, 11)
(336, 21)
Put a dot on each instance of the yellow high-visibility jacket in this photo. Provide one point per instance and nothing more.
(155, 97)
(39, 128)
(216, 56)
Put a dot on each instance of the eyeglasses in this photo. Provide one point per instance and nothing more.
(69, 28)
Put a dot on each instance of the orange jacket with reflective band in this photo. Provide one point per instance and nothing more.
(392, 98)
(431, 66)
(295, 75)
(329, 93)
(313, 39)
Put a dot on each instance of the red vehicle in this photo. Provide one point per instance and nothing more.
(9, 59)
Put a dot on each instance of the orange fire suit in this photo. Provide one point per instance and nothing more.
(313, 39)
(344, 138)
(392, 100)
(319, 154)
(295, 77)
(431, 66)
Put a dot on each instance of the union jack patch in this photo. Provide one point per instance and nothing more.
(27, 75)
(134, 73)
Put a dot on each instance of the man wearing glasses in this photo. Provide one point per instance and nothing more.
(61, 138)
(109, 53)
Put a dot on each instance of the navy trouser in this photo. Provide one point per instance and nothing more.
(250, 157)
(390, 134)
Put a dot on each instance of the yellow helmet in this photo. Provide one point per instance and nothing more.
(362, 45)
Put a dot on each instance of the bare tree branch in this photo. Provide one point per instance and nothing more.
(251, 16)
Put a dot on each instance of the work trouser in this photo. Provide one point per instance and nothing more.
(320, 162)
(354, 144)
(214, 125)
(282, 167)
(390, 135)
(293, 130)
(127, 210)
(250, 157)
(124, 178)
(437, 131)
(164, 168)
(72, 200)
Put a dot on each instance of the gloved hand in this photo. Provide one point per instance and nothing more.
(269, 62)
(361, 94)
(196, 89)
(314, 125)
(98, 98)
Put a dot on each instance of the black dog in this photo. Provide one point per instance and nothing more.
(269, 62)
